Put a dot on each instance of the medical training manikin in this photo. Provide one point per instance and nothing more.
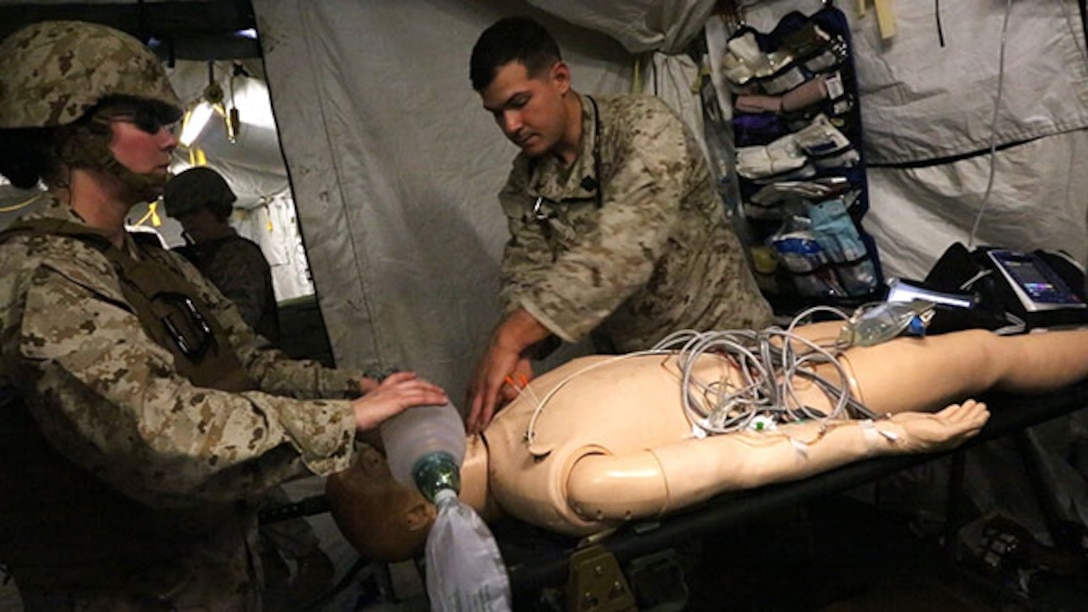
(603, 440)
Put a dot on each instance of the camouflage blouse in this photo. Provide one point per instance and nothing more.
(109, 399)
(651, 255)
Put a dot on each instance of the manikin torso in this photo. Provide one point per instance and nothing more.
(598, 405)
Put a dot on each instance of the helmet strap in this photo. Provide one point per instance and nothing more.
(87, 145)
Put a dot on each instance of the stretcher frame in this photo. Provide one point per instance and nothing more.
(537, 559)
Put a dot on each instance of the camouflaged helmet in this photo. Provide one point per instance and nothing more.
(196, 187)
(52, 72)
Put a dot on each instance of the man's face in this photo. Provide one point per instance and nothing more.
(529, 111)
(200, 224)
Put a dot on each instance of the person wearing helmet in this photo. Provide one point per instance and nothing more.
(202, 202)
(139, 414)
(200, 199)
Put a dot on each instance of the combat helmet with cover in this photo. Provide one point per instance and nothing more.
(196, 187)
(52, 72)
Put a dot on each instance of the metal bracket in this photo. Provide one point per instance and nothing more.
(596, 583)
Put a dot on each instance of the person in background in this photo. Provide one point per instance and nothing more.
(200, 199)
(616, 227)
(140, 416)
(296, 569)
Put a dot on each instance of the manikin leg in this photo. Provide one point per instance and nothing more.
(907, 377)
(922, 374)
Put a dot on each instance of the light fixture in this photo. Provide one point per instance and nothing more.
(211, 103)
(196, 119)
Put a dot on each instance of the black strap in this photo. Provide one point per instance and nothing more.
(599, 186)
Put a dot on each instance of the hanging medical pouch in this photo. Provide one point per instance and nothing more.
(800, 165)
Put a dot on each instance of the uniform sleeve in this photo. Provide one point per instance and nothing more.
(115, 405)
(273, 370)
(240, 272)
(617, 255)
(526, 257)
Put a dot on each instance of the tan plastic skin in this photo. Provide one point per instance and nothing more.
(611, 442)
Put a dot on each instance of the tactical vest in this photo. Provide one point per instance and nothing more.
(168, 306)
(61, 528)
(203, 254)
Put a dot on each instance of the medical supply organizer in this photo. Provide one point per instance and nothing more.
(798, 163)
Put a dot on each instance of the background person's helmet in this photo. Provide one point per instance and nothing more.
(52, 72)
(196, 187)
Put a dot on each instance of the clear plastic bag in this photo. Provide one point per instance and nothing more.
(465, 571)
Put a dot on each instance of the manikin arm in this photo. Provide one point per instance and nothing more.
(652, 482)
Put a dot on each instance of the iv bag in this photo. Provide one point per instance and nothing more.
(465, 571)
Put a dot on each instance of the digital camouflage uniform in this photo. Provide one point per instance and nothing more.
(237, 267)
(124, 486)
(179, 459)
(234, 264)
(656, 255)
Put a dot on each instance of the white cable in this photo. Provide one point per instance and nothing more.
(768, 364)
(993, 128)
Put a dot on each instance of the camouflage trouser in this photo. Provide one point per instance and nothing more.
(297, 572)
(211, 579)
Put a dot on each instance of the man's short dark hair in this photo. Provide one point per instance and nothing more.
(511, 39)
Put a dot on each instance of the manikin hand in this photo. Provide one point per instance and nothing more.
(395, 394)
(922, 432)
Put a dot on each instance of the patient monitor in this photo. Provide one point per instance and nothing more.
(1035, 283)
(1038, 289)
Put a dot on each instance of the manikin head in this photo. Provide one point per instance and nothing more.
(202, 202)
(81, 95)
(385, 520)
(524, 83)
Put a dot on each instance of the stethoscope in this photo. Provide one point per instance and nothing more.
(588, 183)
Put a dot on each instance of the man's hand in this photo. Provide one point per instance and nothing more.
(392, 396)
(505, 358)
(516, 381)
(367, 384)
(490, 384)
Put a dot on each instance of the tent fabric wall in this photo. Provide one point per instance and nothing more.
(273, 225)
(923, 103)
(396, 169)
(661, 31)
(640, 26)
